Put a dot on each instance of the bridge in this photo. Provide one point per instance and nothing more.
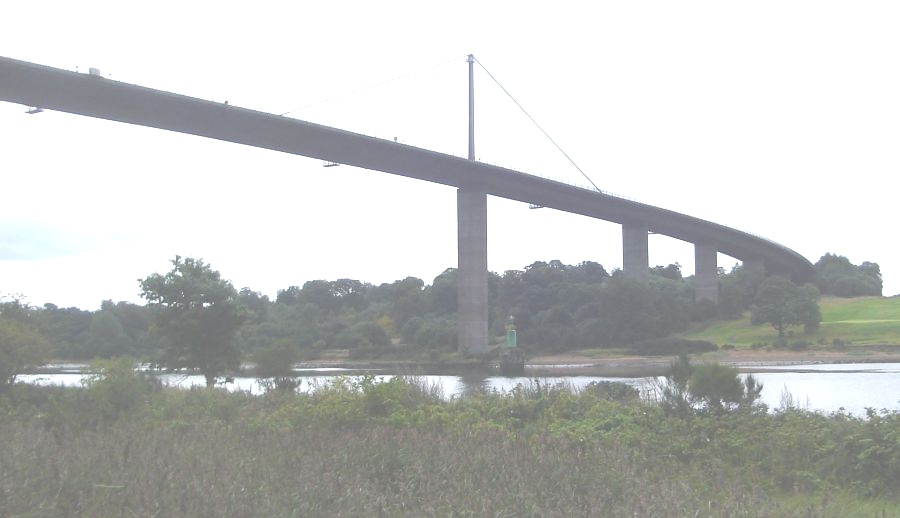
(43, 87)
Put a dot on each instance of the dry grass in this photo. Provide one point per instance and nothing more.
(381, 471)
(362, 448)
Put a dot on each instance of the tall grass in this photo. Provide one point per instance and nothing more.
(365, 448)
(375, 471)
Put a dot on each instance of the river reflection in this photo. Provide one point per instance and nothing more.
(831, 387)
(822, 387)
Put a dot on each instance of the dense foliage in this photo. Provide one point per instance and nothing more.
(198, 317)
(20, 346)
(782, 304)
(836, 275)
(554, 306)
(122, 446)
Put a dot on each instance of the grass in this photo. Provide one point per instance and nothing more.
(857, 321)
(363, 448)
(376, 471)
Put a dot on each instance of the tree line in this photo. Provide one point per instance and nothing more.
(194, 317)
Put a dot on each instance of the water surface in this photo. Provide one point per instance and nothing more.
(850, 387)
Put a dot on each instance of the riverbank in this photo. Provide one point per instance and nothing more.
(610, 363)
(745, 359)
(592, 363)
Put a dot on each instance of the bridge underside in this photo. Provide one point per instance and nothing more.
(49, 88)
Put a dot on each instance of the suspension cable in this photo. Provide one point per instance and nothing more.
(538, 126)
(369, 87)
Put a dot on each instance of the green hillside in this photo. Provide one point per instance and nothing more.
(858, 321)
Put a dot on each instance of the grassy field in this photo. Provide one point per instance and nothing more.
(855, 321)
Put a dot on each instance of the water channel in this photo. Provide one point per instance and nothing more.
(852, 387)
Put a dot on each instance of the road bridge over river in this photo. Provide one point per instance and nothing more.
(90, 95)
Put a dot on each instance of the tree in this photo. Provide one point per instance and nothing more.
(672, 271)
(782, 303)
(364, 335)
(709, 387)
(351, 293)
(289, 296)
(20, 346)
(275, 365)
(408, 299)
(737, 290)
(443, 292)
(198, 315)
(66, 329)
(632, 311)
(106, 336)
(589, 272)
(255, 302)
(715, 386)
(836, 275)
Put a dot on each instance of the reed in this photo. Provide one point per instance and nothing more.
(369, 448)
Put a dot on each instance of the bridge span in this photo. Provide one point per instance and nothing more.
(44, 87)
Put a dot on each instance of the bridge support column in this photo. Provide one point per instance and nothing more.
(706, 274)
(472, 301)
(635, 251)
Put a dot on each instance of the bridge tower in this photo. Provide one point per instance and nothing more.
(472, 288)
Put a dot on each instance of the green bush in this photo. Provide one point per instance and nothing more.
(799, 345)
(364, 335)
(116, 386)
(672, 346)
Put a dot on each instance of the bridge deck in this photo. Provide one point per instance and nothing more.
(50, 88)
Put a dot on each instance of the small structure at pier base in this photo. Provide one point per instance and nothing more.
(512, 361)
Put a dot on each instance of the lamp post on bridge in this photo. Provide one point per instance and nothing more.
(471, 61)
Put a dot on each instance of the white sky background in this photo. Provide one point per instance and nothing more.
(779, 118)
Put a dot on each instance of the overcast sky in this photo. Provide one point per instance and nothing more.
(779, 118)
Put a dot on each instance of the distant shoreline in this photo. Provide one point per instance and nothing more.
(746, 360)
(577, 364)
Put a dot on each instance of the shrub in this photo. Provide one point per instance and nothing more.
(436, 333)
(800, 345)
(20, 346)
(612, 390)
(116, 387)
(275, 365)
(706, 387)
(363, 335)
(672, 346)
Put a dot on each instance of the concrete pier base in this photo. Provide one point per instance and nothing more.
(635, 251)
(706, 274)
(472, 312)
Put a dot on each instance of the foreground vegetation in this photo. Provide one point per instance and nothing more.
(195, 318)
(124, 446)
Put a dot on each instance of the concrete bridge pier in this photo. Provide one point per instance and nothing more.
(706, 274)
(472, 301)
(636, 250)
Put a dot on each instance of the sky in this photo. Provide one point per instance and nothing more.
(778, 118)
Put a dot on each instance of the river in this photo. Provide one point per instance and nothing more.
(852, 387)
